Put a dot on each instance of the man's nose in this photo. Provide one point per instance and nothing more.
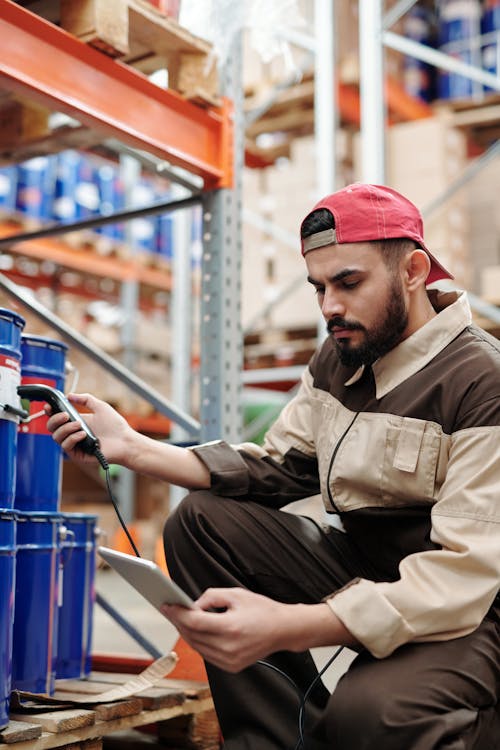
(332, 306)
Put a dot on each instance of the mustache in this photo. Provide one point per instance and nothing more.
(339, 322)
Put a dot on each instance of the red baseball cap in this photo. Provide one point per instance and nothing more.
(364, 213)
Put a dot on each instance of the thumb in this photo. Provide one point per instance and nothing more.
(216, 599)
(83, 399)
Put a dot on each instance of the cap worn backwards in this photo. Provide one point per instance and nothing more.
(364, 213)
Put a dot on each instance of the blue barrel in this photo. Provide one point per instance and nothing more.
(11, 326)
(78, 560)
(35, 186)
(459, 25)
(112, 200)
(490, 31)
(34, 649)
(39, 457)
(418, 76)
(7, 582)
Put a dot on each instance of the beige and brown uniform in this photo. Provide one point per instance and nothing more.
(407, 453)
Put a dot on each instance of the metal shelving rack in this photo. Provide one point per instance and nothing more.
(48, 65)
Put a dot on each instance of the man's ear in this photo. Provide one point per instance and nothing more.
(417, 265)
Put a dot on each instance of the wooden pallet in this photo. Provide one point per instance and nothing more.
(181, 710)
(143, 36)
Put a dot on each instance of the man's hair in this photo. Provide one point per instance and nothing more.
(392, 250)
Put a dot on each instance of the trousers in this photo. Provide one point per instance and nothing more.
(424, 696)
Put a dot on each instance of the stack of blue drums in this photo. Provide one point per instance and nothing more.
(11, 327)
(47, 558)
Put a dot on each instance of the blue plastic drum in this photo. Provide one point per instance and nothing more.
(490, 28)
(78, 560)
(7, 581)
(11, 326)
(34, 649)
(39, 457)
(458, 27)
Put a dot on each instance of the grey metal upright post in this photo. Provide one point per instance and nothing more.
(125, 484)
(325, 97)
(221, 350)
(181, 324)
(325, 107)
(371, 86)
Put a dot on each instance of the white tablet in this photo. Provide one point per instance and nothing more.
(147, 578)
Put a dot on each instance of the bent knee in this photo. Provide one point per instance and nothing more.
(192, 506)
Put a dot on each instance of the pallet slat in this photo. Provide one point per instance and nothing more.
(19, 731)
(60, 721)
(182, 711)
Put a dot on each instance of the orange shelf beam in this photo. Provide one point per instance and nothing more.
(41, 61)
(87, 261)
(153, 424)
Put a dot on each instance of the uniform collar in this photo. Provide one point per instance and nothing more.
(412, 354)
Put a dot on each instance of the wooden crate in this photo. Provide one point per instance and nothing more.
(143, 36)
(180, 710)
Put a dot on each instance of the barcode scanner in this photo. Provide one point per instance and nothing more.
(58, 402)
(89, 444)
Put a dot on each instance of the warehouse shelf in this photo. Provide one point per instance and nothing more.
(47, 64)
(87, 259)
(44, 67)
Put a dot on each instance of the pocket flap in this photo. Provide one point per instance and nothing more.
(408, 447)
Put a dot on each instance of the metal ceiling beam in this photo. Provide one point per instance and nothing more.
(45, 63)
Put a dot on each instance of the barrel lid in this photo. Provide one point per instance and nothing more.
(8, 513)
(14, 317)
(38, 516)
(31, 338)
(69, 517)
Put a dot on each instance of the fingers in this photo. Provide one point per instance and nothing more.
(65, 432)
(83, 399)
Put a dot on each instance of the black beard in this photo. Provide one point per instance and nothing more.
(378, 341)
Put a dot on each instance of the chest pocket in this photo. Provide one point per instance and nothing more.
(411, 459)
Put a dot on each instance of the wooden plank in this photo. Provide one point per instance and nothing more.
(60, 721)
(188, 688)
(134, 30)
(157, 697)
(101, 728)
(85, 687)
(19, 731)
(118, 709)
(101, 23)
(199, 732)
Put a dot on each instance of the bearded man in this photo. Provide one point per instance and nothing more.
(397, 426)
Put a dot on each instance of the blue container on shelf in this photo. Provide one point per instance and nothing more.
(34, 648)
(418, 76)
(141, 232)
(490, 29)
(8, 188)
(112, 200)
(76, 193)
(35, 187)
(164, 236)
(459, 29)
(7, 589)
(78, 561)
(11, 327)
(39, 457)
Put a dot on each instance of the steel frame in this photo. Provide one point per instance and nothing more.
(43, 62)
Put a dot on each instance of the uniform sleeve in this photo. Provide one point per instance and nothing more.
(442, 593)
(284, 469)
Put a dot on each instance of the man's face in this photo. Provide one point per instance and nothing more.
(361, 300)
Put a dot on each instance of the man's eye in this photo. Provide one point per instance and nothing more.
(350, 284)
(319, 290)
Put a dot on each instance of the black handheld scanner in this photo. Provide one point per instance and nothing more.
(58, 402)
